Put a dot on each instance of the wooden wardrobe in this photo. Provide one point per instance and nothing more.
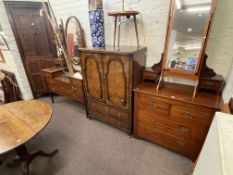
(109, 77)
(34, 39)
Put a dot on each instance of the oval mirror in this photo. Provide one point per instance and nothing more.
(75, 39)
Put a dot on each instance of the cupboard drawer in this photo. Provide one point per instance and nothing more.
(190, 149)
(118, 114)
(154, 106)
(192, 116)
(109, 119)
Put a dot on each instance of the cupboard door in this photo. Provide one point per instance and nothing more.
(93, 75)
(116, 76)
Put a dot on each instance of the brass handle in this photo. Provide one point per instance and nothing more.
(123, 101)
(152, 106)
(184, 129)
(189, 115)
(119, 114)
(181, 143)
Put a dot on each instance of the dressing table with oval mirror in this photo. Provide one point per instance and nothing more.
(188, 29)
(75, 39)
(170, 114)
(64, 83)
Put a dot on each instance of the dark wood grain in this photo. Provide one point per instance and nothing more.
(34, 40)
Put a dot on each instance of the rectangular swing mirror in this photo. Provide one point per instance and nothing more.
(189, 24)
(187, 33)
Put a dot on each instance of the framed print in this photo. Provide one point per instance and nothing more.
(1, 57)
(3, 44)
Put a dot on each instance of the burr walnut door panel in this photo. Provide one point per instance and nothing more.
(116, 76)
(93, 75)
(34, 40)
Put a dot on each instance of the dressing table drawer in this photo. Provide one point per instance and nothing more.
(182, 146)
(192, 116)
(155, 106)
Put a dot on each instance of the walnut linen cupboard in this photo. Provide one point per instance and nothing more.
(109, 76)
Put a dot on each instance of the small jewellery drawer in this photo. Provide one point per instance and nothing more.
(190, 149)
(116, 113)
(77, 83)
(155, 106)
(109, 119)
(192, 116)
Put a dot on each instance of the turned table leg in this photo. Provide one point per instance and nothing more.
(119, 32)
(23, 156)
(115, 28)
(136, 28)
(52, 97)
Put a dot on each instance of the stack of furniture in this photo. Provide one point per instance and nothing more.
(64, 84)
(109, 77)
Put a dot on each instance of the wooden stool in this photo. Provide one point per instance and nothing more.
(117, 28)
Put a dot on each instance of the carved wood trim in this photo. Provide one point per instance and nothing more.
(98, 70)
(124, 76)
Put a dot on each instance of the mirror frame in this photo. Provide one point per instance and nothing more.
(82, 34)
(193, 75)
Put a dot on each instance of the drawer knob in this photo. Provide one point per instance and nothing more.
(181, 143)
(152, 106)
(184, 129)
(189, 115)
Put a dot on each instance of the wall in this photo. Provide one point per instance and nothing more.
(152, 26)
(12, 57)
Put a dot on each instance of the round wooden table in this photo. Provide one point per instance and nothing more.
(20, 122)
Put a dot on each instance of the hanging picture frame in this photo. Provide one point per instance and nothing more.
(3, 43)
(2, 59)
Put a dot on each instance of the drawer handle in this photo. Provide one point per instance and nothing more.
(181, 143)
(188, 115)
(184, 129)
(152, 106)
(119, 114)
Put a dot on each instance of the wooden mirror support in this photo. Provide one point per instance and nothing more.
(183, 30)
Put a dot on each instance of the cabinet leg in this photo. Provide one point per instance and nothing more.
(52, 97)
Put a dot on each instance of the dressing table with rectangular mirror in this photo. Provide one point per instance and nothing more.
(189, 25)
(174, 115)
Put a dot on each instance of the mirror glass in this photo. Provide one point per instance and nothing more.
(73, 39)
(187, 33)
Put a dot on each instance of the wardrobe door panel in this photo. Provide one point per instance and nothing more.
(116, 76)
(93, 76)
